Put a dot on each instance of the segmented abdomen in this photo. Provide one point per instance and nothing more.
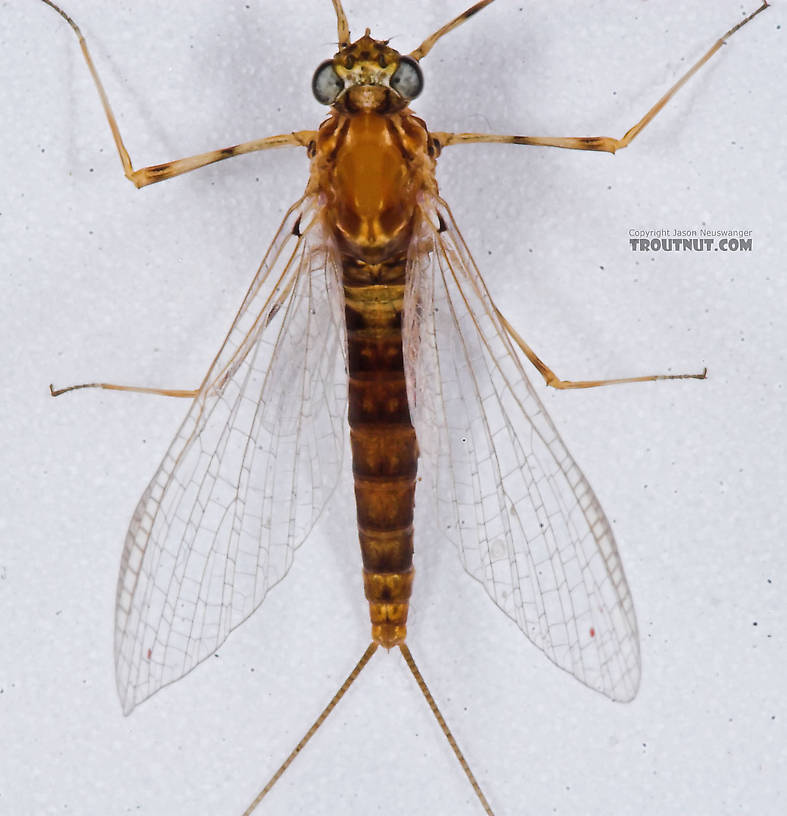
(384, 449)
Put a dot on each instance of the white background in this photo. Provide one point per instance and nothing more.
(103, 282)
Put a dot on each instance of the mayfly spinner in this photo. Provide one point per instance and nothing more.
(368, 304)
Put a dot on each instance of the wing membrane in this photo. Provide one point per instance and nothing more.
(248, 473)
(523, 517)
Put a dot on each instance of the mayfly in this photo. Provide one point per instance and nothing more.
(368, 305)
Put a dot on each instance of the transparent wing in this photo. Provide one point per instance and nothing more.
(526, 522)
(248, 473)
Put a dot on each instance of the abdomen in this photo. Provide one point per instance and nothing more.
(384, 449)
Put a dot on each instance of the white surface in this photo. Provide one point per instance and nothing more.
(102, 282)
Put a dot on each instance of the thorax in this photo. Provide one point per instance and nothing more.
(371, 168)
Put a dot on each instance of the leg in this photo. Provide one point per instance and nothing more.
(550, 378)
(159, 172)
(428, 44)
(342, 26)
(605, 144)
(137, 389)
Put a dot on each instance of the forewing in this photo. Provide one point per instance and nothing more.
(249, 471)
(525, 520)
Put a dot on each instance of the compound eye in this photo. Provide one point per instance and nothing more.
(326, 83)
(407, 79)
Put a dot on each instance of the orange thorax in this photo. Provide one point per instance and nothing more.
(371, 166)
